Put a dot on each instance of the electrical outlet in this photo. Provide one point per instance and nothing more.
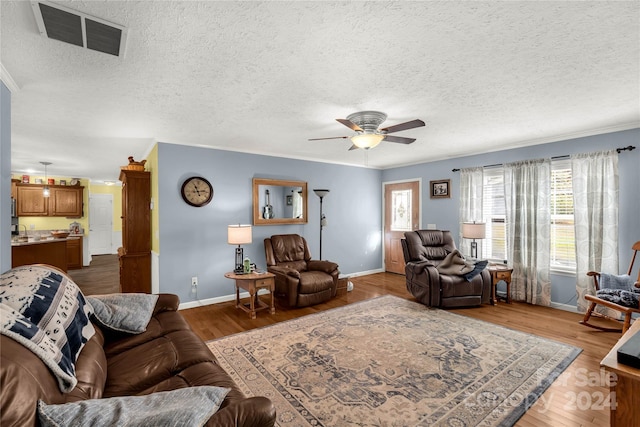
(32, 226)
(194, 282)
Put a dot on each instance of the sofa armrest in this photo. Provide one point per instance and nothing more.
(325, 266)
(285, 271)
(166, 302)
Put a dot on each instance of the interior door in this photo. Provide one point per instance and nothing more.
(100, 223)
(401, 213)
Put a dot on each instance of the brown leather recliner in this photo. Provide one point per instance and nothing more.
(423, 251)
(301, 280)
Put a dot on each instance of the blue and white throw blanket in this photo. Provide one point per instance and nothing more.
(45, 311)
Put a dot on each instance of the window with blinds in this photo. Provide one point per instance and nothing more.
(563, 248)
(494, 246)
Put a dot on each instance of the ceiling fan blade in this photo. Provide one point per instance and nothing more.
(403, 126)
(400, 139)
(353, 147)
(350, 125)
(331, 137)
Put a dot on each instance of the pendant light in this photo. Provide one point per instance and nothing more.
(45, 190)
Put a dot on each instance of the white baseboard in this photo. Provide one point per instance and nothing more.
(565, 307)
(232, 297)
(363, 273)
(216, 300)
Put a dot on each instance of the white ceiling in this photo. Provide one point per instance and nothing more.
(264, 77)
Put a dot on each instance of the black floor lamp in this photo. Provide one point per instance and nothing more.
(323, 220)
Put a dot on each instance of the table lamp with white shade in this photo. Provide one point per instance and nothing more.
(239, 235)
(473, 230)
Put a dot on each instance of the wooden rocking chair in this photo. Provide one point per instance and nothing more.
(628, 311)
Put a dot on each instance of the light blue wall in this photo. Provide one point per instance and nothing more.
(193, 240)
(5, 182)
(444, 212)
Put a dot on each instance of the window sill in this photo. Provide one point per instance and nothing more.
(569, 272)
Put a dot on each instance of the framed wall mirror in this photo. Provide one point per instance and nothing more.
(277, 201)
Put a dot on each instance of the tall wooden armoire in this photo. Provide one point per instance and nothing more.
(135, 253)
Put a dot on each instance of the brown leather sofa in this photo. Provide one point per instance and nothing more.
(299, 279)
(167, 356)
(423, 251)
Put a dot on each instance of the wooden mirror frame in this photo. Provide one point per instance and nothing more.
(257, 214)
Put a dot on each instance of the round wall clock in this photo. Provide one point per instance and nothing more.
(197, 191)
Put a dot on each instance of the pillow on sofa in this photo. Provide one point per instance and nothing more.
(192, 406)
(128, 312)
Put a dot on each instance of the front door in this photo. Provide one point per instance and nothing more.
(401, 213)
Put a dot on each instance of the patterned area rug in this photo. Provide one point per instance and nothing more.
(393, 362)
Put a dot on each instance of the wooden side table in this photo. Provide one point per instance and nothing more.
(499, 273)
(623, 386)
(252, 283)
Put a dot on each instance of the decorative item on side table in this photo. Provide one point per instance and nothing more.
(473, 230)
(440, 189)
(239, 235)
(323, 220)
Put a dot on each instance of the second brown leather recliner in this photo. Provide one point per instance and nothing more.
(423, 251)
(299, 279)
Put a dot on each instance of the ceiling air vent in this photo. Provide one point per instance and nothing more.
(70, 26)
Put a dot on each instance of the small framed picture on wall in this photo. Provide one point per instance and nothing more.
(440, 189)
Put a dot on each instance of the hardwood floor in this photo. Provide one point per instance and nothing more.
(102, 276)
(579, 397)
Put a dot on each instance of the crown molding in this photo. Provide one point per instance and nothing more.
(8, 80)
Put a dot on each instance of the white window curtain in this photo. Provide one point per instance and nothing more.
(595, 201)
(471, 187)
(527, 187)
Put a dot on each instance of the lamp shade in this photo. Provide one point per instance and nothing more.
(473, 230)
(367, 140)
(239, 234)
(320, 192)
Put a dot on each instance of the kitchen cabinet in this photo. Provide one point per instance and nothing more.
(74, 252)
(52, 252)
(14, 188)
(66, 201)
(30, 201)
(63, 201)
(135, 254)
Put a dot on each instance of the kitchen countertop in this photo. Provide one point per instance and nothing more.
(46, 240)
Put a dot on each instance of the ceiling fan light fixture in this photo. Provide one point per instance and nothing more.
(367, 140)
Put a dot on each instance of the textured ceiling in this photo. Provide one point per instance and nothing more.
(264, 77)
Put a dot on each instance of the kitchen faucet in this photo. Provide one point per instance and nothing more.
(25, 229)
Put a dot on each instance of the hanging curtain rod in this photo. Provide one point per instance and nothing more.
(619, 150)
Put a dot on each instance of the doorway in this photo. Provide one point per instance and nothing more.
(100, 224)
(401, 213)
